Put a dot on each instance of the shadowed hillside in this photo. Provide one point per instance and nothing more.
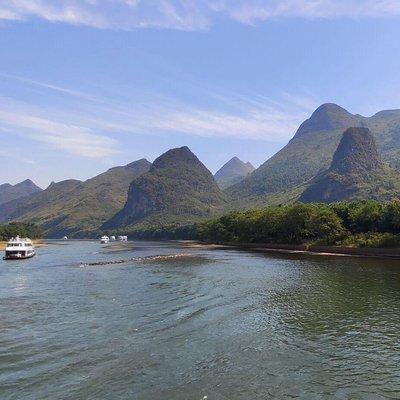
(12, 192)
(73, 207)
(311, 151)
(356, 172)
(177, 189)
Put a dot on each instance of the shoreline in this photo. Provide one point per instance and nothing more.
(336, 251)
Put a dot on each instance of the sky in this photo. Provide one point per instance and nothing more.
(86, 85)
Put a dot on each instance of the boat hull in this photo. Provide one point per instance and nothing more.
(18, 257)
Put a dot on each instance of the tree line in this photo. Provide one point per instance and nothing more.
(359, 223)
(21, 229)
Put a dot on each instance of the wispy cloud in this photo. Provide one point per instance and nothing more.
(99, 124)
(189, 14)
(45, 85)
(244, 118)
(19, 119)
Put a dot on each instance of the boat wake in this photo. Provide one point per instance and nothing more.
(160, 257)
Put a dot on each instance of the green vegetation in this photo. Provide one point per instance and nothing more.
(356, 172)
(178, 190)
(311, 151)
(360, 224)
(76, 208)
(13, 229)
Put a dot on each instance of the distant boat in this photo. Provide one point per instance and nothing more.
(19, 248)
(104, 239)
(65, 238)
(123, 238)
(112, 238)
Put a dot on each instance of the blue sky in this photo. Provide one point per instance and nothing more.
(90, 84)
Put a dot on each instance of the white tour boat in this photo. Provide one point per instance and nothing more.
(19, 248)
(123, 238)
(104, 239)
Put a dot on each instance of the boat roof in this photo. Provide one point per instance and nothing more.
(17, 239)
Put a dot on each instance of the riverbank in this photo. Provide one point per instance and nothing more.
(339, 251)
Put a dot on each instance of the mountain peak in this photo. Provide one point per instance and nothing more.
(234, 171)
(328, 116)
(29, 184)
(356, 152)
(174, 156)
(177, 187)
(355, 167)
(330, 107)
(137, 162)
(22, 189)
(387, 114)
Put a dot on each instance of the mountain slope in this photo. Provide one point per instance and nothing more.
(12, 192)
(312, 148)
(234, 171)
(356, 172)
(177, 189)
(75, 208)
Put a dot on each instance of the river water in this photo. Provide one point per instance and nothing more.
(217, 323)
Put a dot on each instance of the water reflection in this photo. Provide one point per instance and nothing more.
(20, 284)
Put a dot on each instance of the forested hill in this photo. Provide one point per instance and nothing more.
(356, 172)
(312, 148)
(13, 192)
(177, 189)
(73, 207)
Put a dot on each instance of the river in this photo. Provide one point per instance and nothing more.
(210, 324)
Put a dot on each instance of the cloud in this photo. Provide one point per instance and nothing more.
(244, 120)
(74, 93)
(253, 11)
(189, 14)
(95, 126)
(18, 119)
(225, 115)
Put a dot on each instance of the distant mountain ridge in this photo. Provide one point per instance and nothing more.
(13, 192)
(73, 207)
(234, 171)
(176, 190)
(311, 149)
(320, 163)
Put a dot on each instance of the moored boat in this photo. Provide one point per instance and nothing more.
(112, 238)
(19, 248)
(104, 239)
